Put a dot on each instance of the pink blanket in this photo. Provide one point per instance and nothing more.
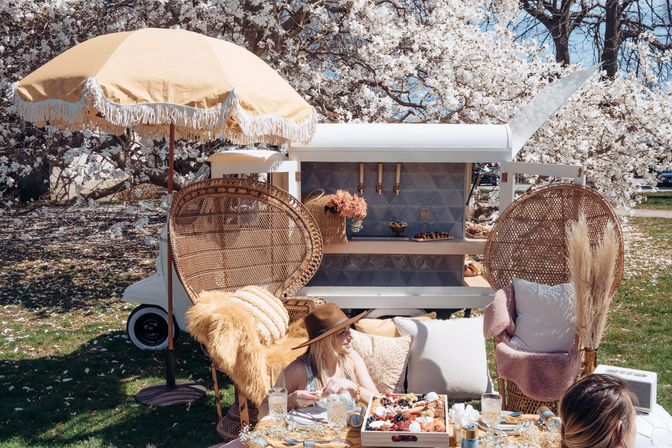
(540, 376)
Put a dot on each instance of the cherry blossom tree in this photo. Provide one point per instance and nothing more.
(354, 60)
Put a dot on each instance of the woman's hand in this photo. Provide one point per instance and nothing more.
(337, 385)
(302, 399)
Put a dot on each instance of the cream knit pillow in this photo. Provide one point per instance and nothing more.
(385, 359)
(270, 316)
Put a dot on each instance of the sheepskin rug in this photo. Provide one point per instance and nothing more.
(229, 333)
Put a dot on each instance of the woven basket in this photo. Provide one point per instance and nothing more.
(229, 426)
(331, 225)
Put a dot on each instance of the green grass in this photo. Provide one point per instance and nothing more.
(657, 201)
(639, 333)
(69, 375)
(79, 390)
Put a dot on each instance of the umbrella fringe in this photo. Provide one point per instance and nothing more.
(227, 120)
(65, 112)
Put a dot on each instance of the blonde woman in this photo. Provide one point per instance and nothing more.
(598, 412)
(331, 365)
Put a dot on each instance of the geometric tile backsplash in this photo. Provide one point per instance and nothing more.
(438, 187)
(388, 270)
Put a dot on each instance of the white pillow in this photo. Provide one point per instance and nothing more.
(545, 319)
(447, 356)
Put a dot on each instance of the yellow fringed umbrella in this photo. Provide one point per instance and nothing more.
(206, 87)
(166, 83)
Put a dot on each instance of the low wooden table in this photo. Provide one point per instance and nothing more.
(352, 435)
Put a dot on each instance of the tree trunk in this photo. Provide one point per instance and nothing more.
(612, 38)
(560, 36)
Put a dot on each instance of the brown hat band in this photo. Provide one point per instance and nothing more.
(324, 330)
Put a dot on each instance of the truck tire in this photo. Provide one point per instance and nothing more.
(147, 328)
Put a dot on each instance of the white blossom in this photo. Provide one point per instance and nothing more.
(355, 60)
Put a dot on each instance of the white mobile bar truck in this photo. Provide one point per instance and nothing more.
(433, 172)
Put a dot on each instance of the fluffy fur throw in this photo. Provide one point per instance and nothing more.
(228, 331)
(540, 376)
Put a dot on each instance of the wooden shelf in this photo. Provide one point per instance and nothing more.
(445, 247)
(476, 282)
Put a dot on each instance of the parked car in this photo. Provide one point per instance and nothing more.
(489, 175)
(665, 180)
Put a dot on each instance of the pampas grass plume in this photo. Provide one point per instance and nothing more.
(580, 273)
(592, 275)
(603, 275)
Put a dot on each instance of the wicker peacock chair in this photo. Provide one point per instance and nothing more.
(528, 242)
(229, 233)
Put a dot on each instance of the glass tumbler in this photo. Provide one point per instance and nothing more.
(337, 414)
(491, 410)
(277, 403)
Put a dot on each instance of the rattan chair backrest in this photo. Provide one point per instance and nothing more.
(229, 233)
(528, 241)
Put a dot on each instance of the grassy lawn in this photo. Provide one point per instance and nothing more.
(68, 374)
(657, 201)
(639, 333)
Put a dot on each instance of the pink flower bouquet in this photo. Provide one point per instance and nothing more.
(348, 206)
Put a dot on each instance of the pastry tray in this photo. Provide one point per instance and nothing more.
(426, 240)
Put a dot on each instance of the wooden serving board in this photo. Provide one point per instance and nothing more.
(404, 438)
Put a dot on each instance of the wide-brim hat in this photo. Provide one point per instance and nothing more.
(326, 320)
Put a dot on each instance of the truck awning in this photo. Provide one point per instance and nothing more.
(406, 142)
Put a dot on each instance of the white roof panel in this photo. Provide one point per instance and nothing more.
(402, 142)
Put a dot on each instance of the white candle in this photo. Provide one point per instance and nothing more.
(398, 179)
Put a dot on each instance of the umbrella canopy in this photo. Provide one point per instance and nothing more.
(139, 79)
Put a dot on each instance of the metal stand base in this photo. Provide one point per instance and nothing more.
(162, 395)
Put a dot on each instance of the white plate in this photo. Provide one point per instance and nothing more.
(303, 416)
(506, 427)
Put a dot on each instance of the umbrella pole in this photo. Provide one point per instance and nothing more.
(170, 354)
(171, 393)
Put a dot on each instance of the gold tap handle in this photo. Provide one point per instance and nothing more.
(397, 180)
(379, 185)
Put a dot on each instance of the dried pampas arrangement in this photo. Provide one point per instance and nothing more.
(592, 274)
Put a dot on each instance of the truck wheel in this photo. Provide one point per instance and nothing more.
(147, 328)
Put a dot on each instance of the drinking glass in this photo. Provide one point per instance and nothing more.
(491, 409)
(337, 414)
(277, 405)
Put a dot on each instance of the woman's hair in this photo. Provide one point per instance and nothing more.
(591, 411)
(318, 353)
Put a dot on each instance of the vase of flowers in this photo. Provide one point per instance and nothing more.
(349, 206)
